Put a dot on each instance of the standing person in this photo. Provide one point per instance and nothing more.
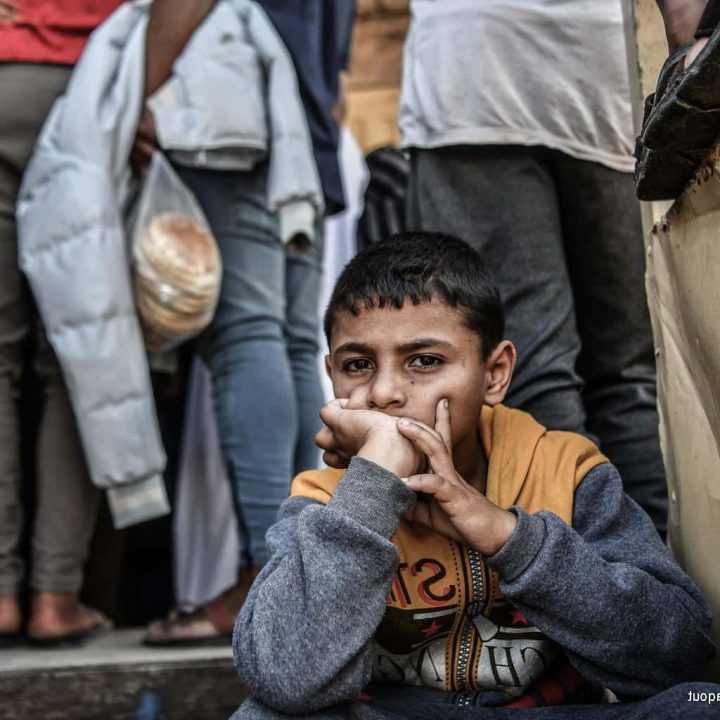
(262, 346)
(518, 146)
(39, 44)
(317, 34)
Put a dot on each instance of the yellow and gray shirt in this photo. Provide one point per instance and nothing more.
(353, 594)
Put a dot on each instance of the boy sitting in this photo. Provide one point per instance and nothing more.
(460, 554)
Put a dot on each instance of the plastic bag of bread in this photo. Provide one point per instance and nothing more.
(176, 262)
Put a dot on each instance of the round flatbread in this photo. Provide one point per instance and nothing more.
(177, 275)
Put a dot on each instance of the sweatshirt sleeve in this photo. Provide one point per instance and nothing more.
(303, 638)
(608, 591)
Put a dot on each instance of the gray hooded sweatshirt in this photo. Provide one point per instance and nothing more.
(604, 593)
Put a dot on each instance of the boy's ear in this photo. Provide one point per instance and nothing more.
(499, 369)
(328, 367)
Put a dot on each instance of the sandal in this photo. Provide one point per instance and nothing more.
(102, 626)
(9, 639)
(206, 625)
(209, 624)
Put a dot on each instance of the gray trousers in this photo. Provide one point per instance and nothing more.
(67, 502)
(563, 239)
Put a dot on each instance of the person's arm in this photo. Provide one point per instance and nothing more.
(302, 639)
(9, 11)
(681, 18)
(170, 26)
(344, 12)
(608, 591)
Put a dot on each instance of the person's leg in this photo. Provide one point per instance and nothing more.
(254, 709)
(606, 260)
(66, 511)
(245, 350)
(21, 117)
(677, 702)
(303, 276)
(13, 332)
(502, 200)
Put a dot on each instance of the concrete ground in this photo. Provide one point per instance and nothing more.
(116, 677)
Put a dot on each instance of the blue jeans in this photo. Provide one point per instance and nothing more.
(261, 349)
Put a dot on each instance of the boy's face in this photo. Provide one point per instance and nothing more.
(403, 362)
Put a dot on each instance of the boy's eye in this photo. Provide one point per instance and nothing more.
(357, 365)
(425, 361)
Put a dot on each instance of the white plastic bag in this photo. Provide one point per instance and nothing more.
(176, 262)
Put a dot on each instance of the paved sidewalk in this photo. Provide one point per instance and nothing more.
(116, 677)
(121, 647)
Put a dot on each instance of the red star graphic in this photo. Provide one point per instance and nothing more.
(432, 630)
(518, 618)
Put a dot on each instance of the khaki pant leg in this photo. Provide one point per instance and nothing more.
(65, 497)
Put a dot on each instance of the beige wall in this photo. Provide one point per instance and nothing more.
(373, 88)
(652, 47)
(683, 257)
(684, 297)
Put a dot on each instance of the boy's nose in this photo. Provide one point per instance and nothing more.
(385, 393)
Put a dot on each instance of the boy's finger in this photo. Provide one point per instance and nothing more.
(418, 514)
(430, 443)
(430, 431)
(442, 422)
(325, 439)
(416, 430)
(430, 484)
(330, 411)
(335, 460)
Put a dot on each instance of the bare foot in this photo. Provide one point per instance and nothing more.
(10, 617)
(56, 615)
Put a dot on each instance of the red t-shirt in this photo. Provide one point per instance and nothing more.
(52, 31)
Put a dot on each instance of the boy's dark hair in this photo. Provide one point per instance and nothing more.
(420, 266)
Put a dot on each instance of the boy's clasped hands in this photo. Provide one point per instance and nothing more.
(422, 457)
